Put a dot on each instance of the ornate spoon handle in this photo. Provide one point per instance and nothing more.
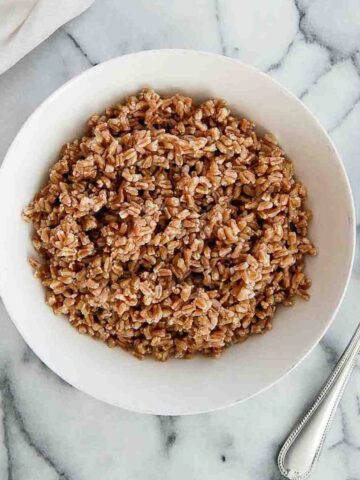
(302, 448)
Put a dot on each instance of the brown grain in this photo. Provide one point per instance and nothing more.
(171, 228)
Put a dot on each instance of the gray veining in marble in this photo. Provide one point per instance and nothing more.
(48, 430)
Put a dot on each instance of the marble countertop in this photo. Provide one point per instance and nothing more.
(48, 430)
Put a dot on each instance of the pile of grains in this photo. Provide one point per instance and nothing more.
(171, 228)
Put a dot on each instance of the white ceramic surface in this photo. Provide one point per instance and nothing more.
(176, 387)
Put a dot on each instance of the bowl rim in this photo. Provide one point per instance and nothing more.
(350, 200)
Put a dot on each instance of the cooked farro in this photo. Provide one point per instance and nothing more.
(171, 228)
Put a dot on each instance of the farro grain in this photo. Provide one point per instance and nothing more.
(171, 228)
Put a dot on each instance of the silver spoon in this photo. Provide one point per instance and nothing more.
(302, 448)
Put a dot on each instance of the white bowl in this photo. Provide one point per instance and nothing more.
(176, 387)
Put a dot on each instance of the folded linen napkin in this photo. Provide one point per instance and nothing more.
(24, 24)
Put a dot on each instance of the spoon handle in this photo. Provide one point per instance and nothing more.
(302, 448)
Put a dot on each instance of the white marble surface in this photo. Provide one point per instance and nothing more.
(50, 431)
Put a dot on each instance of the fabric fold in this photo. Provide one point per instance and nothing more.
(24, 24)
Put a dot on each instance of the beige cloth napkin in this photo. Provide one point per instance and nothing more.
(24, 24)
